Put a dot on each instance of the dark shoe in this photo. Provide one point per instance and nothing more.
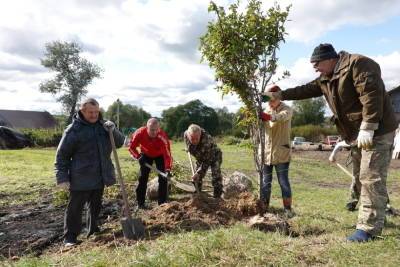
(351, 206)
(70, 241)
(390, 211)
(93, 232)
(143, 207)
(217, 193)
(360, 236)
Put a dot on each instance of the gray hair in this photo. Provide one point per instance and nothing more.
(152, 121)
(90, 101)
(194, 129)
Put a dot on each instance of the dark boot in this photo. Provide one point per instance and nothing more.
(217, 192)
(351, 206)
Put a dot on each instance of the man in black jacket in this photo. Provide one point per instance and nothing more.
(83, 165)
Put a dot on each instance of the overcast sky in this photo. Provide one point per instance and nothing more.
(149, 48)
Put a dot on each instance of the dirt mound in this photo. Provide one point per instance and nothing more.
(201, 212)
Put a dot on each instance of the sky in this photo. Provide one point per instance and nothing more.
(149, 48)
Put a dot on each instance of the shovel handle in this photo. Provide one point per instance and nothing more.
(119, 176)
(196, 183)
(344, 170)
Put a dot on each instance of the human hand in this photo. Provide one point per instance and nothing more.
(109, 126)
(195, 178)
(265, 116)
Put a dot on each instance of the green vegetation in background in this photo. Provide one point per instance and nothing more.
(314, 133)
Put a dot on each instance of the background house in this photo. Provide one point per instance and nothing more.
(395, 97)
(26, 119)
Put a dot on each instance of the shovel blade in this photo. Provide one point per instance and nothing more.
(132, 228)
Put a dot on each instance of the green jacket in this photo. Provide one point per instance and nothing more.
(356, 95)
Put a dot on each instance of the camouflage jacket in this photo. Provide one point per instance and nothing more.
(356, 95)
(205, 152)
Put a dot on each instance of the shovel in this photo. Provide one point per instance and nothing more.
(332, 157)
(131, 228)
(196, 183)
(183, 186)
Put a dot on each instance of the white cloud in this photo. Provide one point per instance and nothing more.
(390, 67)
(310, 19)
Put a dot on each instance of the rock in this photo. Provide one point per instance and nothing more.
(236, 184)
(152, 189)
(269, 223)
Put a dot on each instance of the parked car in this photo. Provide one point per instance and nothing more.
(331, 140)
(300, 142)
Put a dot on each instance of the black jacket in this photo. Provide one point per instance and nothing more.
(83, 156)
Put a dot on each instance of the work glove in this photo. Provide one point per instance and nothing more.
(364, 139)
(272, 92)
(64, 185)
(109, 125)
(265, 116)
(169, 174)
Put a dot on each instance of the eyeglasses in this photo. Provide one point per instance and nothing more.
(315, 64)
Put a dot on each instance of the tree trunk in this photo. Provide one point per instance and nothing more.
(71, 112)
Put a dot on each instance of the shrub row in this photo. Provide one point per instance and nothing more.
(43, 137)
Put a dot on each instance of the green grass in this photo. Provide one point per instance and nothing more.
(320, 191)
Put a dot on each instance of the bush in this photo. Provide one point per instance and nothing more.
(44, 137)
(314, 133)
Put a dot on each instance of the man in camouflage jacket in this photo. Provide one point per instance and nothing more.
(202, 146)
(362, 111)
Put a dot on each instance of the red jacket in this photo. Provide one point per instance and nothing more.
(151, 147)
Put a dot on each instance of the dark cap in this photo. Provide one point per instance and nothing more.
(323, 52)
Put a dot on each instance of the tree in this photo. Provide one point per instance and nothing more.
(241, 48)
(176, 120)
(226, 120)
(73, 74)
(129, 115)
(308, 111)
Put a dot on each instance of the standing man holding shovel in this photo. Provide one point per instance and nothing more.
(154, 147)
(83, 165)
(202, 146)
(362, 111)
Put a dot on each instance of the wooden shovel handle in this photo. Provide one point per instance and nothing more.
(127, 211)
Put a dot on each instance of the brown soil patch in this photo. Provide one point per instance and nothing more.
(200, 212)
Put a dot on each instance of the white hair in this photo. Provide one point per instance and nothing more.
(194, 129)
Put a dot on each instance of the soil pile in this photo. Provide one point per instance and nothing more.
(201, 212)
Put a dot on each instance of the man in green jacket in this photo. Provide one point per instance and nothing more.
(354, 90)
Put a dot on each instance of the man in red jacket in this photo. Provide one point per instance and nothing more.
(154, 146)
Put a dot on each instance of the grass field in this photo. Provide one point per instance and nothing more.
(320, 191)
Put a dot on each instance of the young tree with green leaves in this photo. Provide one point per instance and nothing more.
(309, 111)
(73, 74)
(241, 48)
(130, 116)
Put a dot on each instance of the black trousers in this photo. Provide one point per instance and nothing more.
(73, 213)
(144, 177)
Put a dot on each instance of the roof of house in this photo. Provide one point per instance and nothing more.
(26, 119)
(394, 90)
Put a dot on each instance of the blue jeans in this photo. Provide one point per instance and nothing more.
(282, 171)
